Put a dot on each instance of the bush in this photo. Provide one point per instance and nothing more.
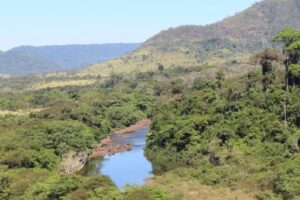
(146, 193)
(54, 188)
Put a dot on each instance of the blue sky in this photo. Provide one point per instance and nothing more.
(48, 22)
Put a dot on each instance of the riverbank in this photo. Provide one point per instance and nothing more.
(139, 125)
(108, 147)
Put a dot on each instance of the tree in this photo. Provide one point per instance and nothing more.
(72, 162)
(294, 68)
(220, 78)
(267, 59)
(294, 74)
(160, 67)
(291, 48)
(144, 57)
(177, 87)
(4, 187)
(288, 37)
(294, 52)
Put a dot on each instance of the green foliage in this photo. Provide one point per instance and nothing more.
(68, 187)
(267, 196)
(291, 41)
(146, 193)
(71, 119)
(4, 187)
(30, 159)
(39, 143)
(73, 187)
(220, 78)
(177, 87)
(267, 59)
(105, 193)
(229, 134)
(294, 74)
(54, 188)
(160, 67)
(15, 182)
(223, 131)
(124, 115)
(287, 36)
(288, 178)
(293, 142)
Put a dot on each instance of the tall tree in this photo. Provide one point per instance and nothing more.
(160, 67)
(288, 37)
(267, 59)
(220, 78)
(294, 68)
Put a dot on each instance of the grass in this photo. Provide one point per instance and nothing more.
(20, 112)
(189, 189)
(147, 59)
(64, 83)
(140, 61)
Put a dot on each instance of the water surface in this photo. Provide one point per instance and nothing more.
(124, 168)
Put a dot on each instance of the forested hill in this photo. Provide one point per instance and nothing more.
(24, 63)
(28, 59)
(231, 39)
(248, 31)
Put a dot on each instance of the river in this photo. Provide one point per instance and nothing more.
(125, 168)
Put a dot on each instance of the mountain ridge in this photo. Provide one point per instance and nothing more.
(25, 60)
(272, 12)
(232, 39)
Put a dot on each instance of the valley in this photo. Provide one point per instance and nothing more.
(193, 113)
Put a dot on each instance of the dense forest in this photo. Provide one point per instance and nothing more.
(33, 147)
(241, 132)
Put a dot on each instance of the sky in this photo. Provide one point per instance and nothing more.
(57, 22)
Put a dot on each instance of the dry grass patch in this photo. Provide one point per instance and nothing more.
(56, 84)
(21, 112)
(189, 189)
(141, 61)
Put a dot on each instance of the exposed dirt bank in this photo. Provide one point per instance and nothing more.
(109, 147)
(139, 125)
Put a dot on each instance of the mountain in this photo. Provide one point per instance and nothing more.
(71, 57)
(26, 60)
(24, 63)
(248, 31)
(231, 40)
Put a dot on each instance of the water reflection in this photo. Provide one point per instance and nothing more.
(124, 168)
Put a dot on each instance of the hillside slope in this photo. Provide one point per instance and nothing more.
(26, 60)
(231, 39)
(24, 63)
